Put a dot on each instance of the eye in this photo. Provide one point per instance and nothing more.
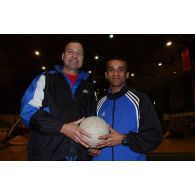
(110, 70)
(122, 70)
(80, 54)
(69, 51)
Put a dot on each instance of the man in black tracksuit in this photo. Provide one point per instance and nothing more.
(53, 106)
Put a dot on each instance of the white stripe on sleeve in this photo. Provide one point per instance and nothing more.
(39, 94)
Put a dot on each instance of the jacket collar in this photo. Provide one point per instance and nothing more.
(81, 74)
(117, 95)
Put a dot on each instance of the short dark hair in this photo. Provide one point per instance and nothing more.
(73, 41)
(120, 59)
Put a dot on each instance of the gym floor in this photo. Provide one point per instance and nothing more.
(170, 149)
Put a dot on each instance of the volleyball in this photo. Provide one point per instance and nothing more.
(96, 126)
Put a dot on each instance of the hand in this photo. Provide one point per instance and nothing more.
(114, 138)
(93, 151)
(73, 131)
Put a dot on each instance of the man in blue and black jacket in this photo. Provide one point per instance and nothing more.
(53, 106)
(134, 125)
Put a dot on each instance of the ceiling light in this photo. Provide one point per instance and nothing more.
(37, 53)
(160, 64)
(89, 71)
(111, 36)
(169, 43)
(132, 74)
(96, 57)
(43, 67)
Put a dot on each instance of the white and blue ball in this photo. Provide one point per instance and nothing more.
(96, 127)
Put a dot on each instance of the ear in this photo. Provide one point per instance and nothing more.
(106, 75)
(62, 56)
(127, 75)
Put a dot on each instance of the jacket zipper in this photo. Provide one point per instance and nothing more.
(113, 128)
(72, 155)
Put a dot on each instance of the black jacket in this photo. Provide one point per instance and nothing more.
(59, 106)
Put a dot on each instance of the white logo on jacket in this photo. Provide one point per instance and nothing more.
(103, 113)
(85, 91)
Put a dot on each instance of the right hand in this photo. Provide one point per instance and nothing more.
(94, 151)
(73, 131)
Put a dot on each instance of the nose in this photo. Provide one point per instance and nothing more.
(74, 54)
(115, 72)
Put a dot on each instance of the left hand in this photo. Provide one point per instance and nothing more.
(114, 138)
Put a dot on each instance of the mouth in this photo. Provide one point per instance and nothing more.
(115, 78)
(74, 61)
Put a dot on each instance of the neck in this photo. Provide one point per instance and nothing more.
(116, 89)
(70, 71)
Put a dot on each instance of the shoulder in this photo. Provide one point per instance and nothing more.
(38, 79)
(88, 83)
(52, 75)
(138, 95)
(101, 101)
(139, 98)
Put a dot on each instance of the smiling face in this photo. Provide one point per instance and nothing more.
(116, 74)
(73, 57)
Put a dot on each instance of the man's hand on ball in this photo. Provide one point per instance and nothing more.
(93, 151)
(114, 138)
(73, 131)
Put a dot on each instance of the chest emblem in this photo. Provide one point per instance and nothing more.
(103, 113)
(85, 91)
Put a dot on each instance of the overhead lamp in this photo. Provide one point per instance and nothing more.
(37, 53)
(96, 57)
(111, 36)
(43, 67)
(160, 64)
(132, 74)
(169, 43)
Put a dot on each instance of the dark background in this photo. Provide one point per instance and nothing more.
(172, 93)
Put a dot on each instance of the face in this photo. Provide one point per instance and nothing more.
(116, 74)
(73, 56)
